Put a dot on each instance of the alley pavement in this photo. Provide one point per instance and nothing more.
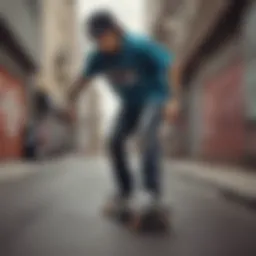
(54, 208)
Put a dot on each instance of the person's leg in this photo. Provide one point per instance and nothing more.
(124, 126)
(151, 149)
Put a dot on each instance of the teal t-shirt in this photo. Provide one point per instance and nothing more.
(138, 72)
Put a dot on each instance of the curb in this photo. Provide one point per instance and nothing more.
(236, 197)
(228, 191)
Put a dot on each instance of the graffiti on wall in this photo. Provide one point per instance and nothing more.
(12, 115)
(223, 115)
(12, 112)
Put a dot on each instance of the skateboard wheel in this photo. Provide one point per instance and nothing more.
(136, 223)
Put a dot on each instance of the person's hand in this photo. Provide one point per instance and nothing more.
(172, 110)
(69, 114)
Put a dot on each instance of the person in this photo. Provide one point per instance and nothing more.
(138, 70)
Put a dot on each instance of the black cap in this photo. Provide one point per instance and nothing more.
(101, 21)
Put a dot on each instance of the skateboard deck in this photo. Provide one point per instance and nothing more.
(143, 220)
(151, 220)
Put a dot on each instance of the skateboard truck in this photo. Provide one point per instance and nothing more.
(156, 220)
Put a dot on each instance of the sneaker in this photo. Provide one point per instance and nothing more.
(148, 201)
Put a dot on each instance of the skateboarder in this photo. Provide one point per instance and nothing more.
(138, 70)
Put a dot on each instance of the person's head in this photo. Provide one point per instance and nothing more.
(105, 31)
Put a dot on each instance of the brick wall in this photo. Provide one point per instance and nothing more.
(12, 116)
(223, 131)
(215, 106)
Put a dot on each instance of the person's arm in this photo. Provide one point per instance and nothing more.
(175, 81)
(92, 67)
(173, 105)
(77, 87)
(161, 60)
(156, 57)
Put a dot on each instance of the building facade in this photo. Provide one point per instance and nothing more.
(89, 121)
(62, 60)
(208, 39)
(60, 47)
(250, 80)
(19, 61)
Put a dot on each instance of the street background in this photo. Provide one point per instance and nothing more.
(54, 175)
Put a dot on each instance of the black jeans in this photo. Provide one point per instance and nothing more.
(146, 120)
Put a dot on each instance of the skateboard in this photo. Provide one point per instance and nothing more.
(151, 220)
(144, 220)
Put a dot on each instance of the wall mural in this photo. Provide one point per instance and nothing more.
(12, 116)
(223, 117)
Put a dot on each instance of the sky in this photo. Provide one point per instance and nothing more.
(130, 13)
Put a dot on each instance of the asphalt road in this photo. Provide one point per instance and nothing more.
(55, 211)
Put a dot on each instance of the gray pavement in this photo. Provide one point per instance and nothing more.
(241, 181)
(55, 210)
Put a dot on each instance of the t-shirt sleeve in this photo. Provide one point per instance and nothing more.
(92, 66)
(156, 56)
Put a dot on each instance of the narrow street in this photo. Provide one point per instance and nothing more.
(55, 211)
